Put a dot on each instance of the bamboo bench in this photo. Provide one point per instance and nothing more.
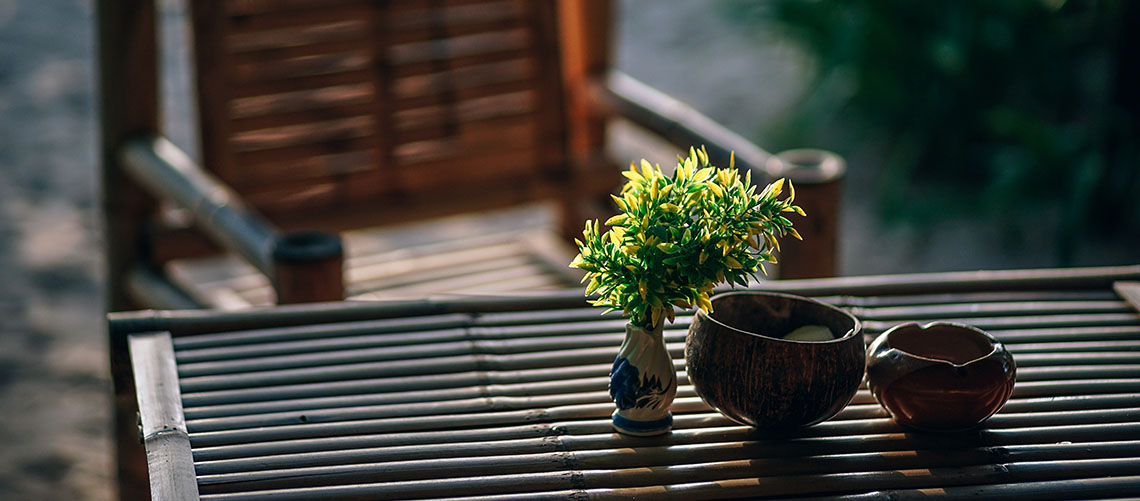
(505, 398)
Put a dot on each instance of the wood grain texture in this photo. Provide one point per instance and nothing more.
(740, 366)
(128, 105)
(309, 267)
(818, 178)
(307, 105)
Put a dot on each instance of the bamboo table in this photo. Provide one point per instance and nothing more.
(506, 398)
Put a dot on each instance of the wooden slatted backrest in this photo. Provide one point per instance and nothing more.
(308, 106)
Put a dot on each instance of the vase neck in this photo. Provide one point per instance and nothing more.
(656, 331)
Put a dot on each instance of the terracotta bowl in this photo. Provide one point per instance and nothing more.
(739, 365)
(940, 376)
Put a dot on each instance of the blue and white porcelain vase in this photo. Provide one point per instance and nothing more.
(643, 383)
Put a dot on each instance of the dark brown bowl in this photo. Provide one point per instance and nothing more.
(769, 382)
(940, 376)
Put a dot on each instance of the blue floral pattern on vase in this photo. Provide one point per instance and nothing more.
(628, 390)
(643, 383)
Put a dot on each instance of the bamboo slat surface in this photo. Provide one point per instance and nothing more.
(497, 252)
(496, 402)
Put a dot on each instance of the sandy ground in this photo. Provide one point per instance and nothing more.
(54, 441)
(53, 369)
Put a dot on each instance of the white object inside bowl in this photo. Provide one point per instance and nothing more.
(810, 333)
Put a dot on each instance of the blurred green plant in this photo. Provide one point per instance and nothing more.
(678, 236)
(995, 108)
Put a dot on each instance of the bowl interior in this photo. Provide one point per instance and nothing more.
(775, 315)
(953, 343)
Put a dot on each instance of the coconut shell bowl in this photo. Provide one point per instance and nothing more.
(739, 363)
(940, 376)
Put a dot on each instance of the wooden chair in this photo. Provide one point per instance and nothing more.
(319, 116)
(341, 114)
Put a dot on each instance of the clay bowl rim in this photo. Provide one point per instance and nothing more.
(856, 329)
(995, 344)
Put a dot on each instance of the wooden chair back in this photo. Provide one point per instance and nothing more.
(344, 113)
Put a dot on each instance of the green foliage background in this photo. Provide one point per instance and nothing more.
(982, 109)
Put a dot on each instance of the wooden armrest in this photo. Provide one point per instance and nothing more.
(301, 265)
(675, 121)
(168, 173)
(816, 173)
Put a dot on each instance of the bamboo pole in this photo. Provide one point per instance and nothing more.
(163, 428)
(1086, 488)
(398, 384)
(409, 367)
(738, 484)
(407, 334)
(997, 308)
(597, 384)
(478, 363)
(941, 298)
(1117, 372)
(602, 451)
(295, 412)
(379, 349)
(1042, 348)
(1123, 487)
(253, 338)
(396, 390)
(1025, 322)
(435, 344)
(505, 355)
(584, 408)
(574, 428)
(456, 327)
(628, 469)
